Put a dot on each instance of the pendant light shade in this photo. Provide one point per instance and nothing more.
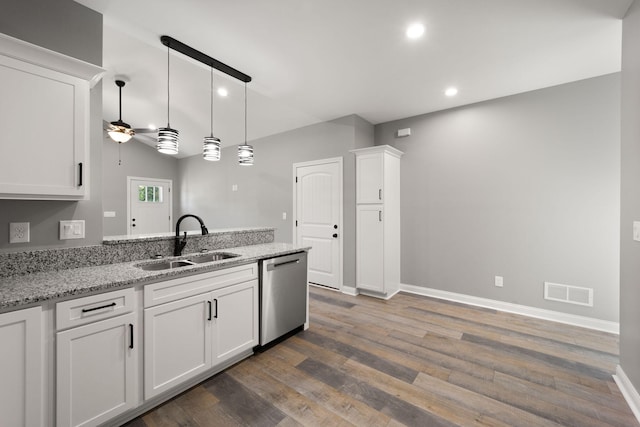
(245, 151)
(211, 144)
(120, 131)
(167, 137)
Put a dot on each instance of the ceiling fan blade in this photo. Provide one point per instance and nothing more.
(145, 130)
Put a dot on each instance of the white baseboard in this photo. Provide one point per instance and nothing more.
(555, 316)
(628, 391)
(348, 290)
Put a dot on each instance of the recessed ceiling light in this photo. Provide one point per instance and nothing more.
(223, 91)
(415, 31)
(452, 91)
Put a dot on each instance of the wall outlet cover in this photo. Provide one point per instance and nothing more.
(499, 281)
(19, 232)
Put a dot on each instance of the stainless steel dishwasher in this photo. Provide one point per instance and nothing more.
(283, 295)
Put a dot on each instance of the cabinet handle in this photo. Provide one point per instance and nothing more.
(86, 310)
(131, 335)
(80, 174)
(380, 194)
(380, 216)
(216, 301)
(209, 304)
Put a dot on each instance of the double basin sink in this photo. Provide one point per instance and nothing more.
(196, 259)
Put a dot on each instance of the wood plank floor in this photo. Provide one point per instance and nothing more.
(413, 361)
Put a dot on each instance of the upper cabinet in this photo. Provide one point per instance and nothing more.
(375, 173)
(44, 117)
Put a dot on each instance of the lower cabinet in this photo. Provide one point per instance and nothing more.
(96, 363)
(370, 258)
(21, 356)
(186, 337)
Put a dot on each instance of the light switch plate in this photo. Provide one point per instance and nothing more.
(19, 232)
(72, 229)
(636, 231)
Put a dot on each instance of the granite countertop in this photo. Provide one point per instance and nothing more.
(37, 288)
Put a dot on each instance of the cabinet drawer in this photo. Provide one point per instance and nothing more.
(93, 308)
(172, 290)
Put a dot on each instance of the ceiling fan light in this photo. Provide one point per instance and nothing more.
(245, 155)
(167, 141)
(120, 132)
(211, 148)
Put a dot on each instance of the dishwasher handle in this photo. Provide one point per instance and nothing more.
(273, 266)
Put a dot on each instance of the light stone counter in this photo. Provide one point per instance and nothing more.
(21, 291)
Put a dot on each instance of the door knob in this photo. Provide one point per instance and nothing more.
(335, 235)
(335, 226)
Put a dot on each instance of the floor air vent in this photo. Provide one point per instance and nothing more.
(568, 294)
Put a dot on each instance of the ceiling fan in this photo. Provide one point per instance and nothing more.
(118, 130)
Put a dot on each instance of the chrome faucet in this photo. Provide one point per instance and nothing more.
(180, 244)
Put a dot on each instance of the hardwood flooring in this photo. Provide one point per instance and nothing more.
(413, 361)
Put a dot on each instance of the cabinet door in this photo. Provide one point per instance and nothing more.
(370, 178)
(21, 368)
(177, 342)
(96, 371)
(44, 120)
(235, 320)
(370, 247)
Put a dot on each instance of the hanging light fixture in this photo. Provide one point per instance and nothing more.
(120, 131)
(211, 145)
(245, 151)
(167, 138)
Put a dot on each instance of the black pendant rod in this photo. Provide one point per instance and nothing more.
(205, 59)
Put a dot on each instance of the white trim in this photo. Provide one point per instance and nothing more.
(46, 58)
(540, 313)
(294, 235)
(628, 391)
(350, 290)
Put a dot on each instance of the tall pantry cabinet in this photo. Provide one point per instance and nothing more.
(378, 221)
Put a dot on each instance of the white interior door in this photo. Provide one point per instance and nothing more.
(318, 218)
(149, 205)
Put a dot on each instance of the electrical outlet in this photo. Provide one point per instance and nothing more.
(284, 215)
(636, 231)
(499, 281)
(19, 232)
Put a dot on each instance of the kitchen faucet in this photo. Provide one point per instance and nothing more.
(180, 244)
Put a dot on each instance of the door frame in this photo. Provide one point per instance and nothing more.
(339, 161)
(169, 183)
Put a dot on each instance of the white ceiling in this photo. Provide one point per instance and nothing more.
(314, 60)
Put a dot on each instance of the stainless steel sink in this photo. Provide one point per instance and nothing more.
(197, 259)
(167, 265)
(214, 256)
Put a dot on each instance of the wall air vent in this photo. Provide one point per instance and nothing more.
(568, 294)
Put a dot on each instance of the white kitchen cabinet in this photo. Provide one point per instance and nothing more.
(96, 363)
(21, 353)
(235, 321)
(186, 334)
(44, 117)
(177, 340)
(378, 220)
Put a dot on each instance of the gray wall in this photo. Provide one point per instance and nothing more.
(630, 203)
(70, 28)
(138, 159)
(525, 187)
(265, 190)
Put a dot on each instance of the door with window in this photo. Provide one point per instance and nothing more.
(318, 218)
(149, 205)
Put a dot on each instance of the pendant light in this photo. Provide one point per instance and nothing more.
(120, 131)
(245, 151)
(167, 137)
(211, 145)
